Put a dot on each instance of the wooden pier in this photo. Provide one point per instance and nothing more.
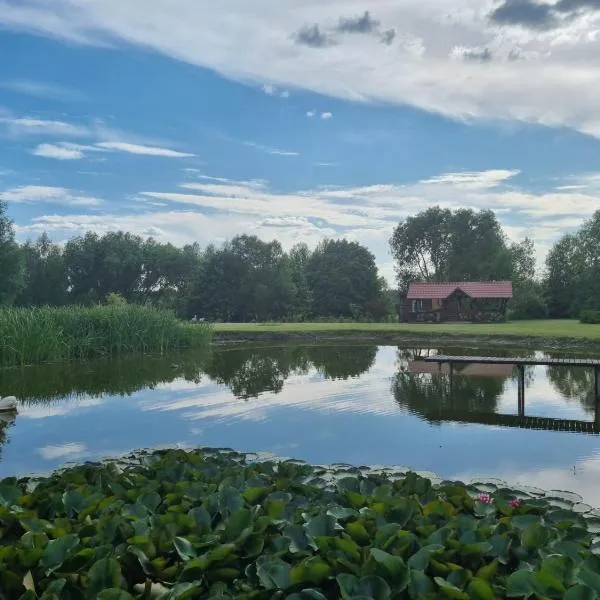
(521, 420)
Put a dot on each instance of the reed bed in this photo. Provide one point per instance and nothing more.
(39, 335)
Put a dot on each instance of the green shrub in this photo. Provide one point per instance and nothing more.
(212, 524)
(38, 335)
(115, 299)
(590, 316)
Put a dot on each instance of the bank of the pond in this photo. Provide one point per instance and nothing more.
(568, 335)
(39, 335)
(217, 524)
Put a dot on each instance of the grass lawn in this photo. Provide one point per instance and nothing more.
(560, 328)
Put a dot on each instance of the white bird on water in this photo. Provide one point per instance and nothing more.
(9, 403)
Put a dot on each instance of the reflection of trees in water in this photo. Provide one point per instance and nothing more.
(95, 378)
(6, 421)
(251, 372)
(427, 394)
(574, 383)
(342, 362)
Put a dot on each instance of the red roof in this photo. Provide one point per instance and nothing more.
(475, 289)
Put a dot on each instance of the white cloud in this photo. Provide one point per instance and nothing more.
(475, 180)
(269, 89)
(270, 150)
(58, 152)
(68, 450)
(40, 194)
(554, 84)
(21, 126)
(311, 113)
(40, 89)
(326, 115)
(143, 150)
(285, 94)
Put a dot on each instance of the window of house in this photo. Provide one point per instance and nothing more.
(417, 305)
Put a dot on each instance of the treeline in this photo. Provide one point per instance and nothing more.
(465, 245)
(243, 280)
(247, 279)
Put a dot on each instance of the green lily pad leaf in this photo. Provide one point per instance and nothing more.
(181, 591)
(9, 494)
(230, 500)
(73, 501)
(54, 590)
(300, 540)
(104, 574)
(239, 526)
(322, 525)
(396, 570)
(534, 537)
(184, 548)
(273, 573)
(479, 589)
(449, 590)
(420, 586)
(56, 551)
(313, 570)
(580, 592)
(341, 513)
(352, 587)
(114, 594)
(519, 584)
(194, 569)
(308, 594)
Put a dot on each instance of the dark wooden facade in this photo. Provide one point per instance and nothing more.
(458, 305)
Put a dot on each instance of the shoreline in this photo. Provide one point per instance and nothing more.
(399, 338)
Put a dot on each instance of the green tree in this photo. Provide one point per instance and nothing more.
(344, 282)
(11, 260)
(97, 265)
(572, 279)
(45, 275)
(440, 245)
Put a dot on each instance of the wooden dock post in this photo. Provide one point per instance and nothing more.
(521, 385)
(597, 385)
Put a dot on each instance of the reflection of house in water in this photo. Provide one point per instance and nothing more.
(471, 369)
(448, 411)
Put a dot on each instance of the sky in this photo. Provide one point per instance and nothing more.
(189, 120)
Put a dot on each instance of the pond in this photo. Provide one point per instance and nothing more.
(364, 405)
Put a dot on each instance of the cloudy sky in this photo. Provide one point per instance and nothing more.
(191, 120)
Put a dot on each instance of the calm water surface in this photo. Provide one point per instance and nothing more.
(353, 404)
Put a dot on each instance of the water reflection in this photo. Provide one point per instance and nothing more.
(357, 404)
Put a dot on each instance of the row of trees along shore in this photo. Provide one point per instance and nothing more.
(247, 279)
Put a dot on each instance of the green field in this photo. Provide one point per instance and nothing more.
(560, 328)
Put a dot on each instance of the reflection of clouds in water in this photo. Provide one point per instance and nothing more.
(67, 450)
(582, 477)
(369, 394)
(42, 411)
(541, 399)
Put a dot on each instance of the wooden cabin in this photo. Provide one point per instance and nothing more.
(475, 301)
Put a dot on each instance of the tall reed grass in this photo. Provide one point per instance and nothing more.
(39, 335)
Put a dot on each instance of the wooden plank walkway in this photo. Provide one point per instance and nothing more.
(520, 422)
(515, 360)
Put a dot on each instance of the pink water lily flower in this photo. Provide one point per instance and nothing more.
(515, 503)
(485, 498)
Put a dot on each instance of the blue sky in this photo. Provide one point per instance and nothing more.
(192, 121)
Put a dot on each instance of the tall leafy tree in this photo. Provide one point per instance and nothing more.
(572, 280)
(45, 275)
(440, 245)
(344, 281)
(11, 260)
(98, 265)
